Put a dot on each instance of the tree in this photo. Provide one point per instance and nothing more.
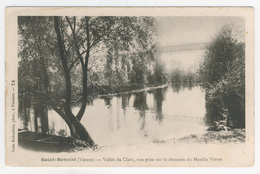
(223, 77)
(219, 55)
(54, 58)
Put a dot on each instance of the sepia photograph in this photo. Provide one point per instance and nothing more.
(126, 87)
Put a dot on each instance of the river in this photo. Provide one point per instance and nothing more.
(164, 113)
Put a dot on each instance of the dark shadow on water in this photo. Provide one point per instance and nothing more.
(125, 103)
(125, 100)
(140, 104)
(107, 101)
(158, 95)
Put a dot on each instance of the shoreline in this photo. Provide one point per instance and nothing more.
(235, 136)
(210, 137)
(232, 137)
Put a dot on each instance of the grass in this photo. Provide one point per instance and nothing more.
(234, 136)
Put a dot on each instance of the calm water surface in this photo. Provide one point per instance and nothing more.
(165, 113)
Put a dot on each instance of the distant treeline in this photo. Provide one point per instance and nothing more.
(127, 72)
(178, 75)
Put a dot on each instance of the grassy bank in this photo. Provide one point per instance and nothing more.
(234, 137)
(213, 137)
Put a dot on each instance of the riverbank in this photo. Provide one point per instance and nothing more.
(235, 136)
(211, 137)
(232, 137)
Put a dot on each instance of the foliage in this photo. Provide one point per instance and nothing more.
(64, 59)
(159, 75)
(223, 76)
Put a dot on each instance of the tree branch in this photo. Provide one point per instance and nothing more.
(84, 78)
(72, 64)
(65, 68)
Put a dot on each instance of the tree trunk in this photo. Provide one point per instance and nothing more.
(77, 130)
(26, 118)
(79, 133)
(35, 121)
(44, 120)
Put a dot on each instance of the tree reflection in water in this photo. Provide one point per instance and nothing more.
(158, 101)
(108, 103)
(141, 105)
(125, 103)
(136, 117)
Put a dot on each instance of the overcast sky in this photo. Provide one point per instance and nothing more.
(185, 30)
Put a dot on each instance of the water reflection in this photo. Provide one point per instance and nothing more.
(125, 103)
(176, 86)
(107, 101)
(141, 105)
(163, 113)
(158, 101)
(125, 100)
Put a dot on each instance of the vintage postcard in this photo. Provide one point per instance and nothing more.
(129, 87)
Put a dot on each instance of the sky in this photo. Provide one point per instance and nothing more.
(188, 30)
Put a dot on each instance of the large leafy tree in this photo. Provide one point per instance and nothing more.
(55, 52)
(223, 76)
(220, 54)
